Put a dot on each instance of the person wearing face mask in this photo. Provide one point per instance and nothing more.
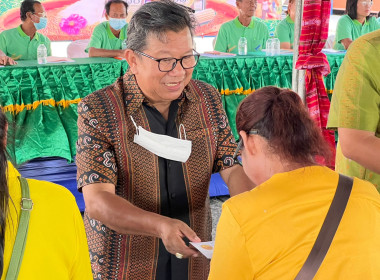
(22, 42)
(355, 23)
(147, 146)
(285, 29)
(244, 25)
(107, 38)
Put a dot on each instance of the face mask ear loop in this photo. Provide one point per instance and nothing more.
(184, 131)
(137, 130)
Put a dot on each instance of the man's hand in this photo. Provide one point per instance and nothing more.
(6, 60)
(172, 233)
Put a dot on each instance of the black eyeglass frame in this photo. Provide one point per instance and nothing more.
(174, 63)
(240, 143)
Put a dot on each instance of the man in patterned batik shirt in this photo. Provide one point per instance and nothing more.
(146, 191)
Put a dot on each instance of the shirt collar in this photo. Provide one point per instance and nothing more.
(289, 20)
(22, 33)
(356, 22)
(239, 25)
(134, 97)
(112, 36)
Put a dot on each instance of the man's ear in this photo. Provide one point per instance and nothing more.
(132, 60)
(107, 17)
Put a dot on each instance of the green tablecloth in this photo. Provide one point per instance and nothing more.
(41, 101)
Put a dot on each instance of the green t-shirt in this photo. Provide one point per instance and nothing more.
(230, 32)
(18, 46)
(103, 38)
(285, 31)
(356, 99)
(353, 29)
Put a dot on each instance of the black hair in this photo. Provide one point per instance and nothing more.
(157, 18)
(27, 6)
(107, 7)
(351, 9)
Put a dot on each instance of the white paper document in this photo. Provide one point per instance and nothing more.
(206, 248)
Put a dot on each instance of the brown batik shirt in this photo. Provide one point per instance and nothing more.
(106, 153)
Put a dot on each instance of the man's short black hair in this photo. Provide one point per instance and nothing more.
(27, 6)
(109, 3)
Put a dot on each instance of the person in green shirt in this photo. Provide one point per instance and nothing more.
(355, 23)
(285, 29)
(107, 38)
(22, 42)
(244, 25)
(355, 110)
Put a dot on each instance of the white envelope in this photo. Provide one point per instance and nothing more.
(206, 248)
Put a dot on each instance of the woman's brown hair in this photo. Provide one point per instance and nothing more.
(280, 116)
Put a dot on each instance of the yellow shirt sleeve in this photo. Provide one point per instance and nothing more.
(230, 259)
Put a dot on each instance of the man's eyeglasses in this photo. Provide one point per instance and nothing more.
(169, 63)
(366, 3)
(236, 158)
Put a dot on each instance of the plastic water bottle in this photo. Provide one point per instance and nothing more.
(269, 47)
(41, 54)
(243, 46)
(275, 46)
(124, 44)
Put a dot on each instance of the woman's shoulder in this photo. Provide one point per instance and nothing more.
(345, 19)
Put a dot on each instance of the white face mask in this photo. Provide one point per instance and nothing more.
(162, 145)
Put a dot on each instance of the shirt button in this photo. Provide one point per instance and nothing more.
(172, 196)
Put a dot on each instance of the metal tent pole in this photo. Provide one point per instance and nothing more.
(298, 76)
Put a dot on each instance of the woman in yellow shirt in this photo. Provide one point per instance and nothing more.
(268, 232)
(56, 244)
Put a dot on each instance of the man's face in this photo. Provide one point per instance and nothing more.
(246, 7)
(39, 12)
(117, 10)
(160, 86)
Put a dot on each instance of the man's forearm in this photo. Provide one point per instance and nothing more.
(236, 180)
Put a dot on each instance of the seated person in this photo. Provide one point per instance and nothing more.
(108, 36)
(244, 25)
(268, 232)
(22, 42)
(355, 23)
(56, 244)
(285, 29)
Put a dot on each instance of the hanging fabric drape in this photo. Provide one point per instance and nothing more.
(314, 33)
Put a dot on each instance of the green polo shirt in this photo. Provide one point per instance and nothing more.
(103, 38)
(285, 31)
(18, 46)
(230, 32)
(356, 99)
(353, 29)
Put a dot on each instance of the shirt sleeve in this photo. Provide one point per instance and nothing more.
(96, 39)
(3, 44)
(95, 157)
(221, 40)
(344, 29)
(230, 259)
(282, 33)
(356, 99)
(226, 144)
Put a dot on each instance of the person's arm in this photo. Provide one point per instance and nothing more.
(230, 259)
(95, 52)
(236, 180)
(346, 42)
(361, 146)
(122, 216)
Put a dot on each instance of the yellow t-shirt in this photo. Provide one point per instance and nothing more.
(56, 245)
(267, 233)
